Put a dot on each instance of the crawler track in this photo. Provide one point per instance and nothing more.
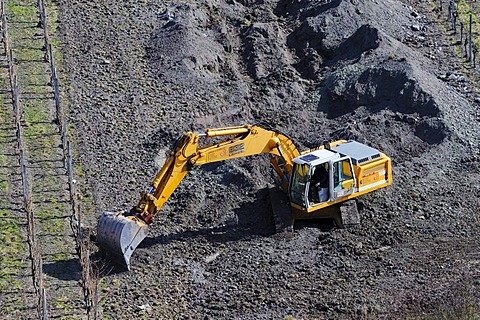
(39, 247)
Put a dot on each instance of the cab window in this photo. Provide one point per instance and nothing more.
(298, 184)
(342, 172)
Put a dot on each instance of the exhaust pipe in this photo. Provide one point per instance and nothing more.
(119, 235)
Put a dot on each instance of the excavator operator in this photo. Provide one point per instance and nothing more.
(320, 184)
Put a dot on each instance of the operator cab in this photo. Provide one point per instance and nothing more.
(319, 177)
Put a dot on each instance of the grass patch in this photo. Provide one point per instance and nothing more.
(42, 140)
(10, 250)
(19, 12)
(11, 241)
(464, 13)
(60, 257)
(50, 223)
(3, 184)
(40, 133)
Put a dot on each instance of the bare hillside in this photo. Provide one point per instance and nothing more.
(142, 73)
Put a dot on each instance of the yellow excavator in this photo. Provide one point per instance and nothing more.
(317, 182)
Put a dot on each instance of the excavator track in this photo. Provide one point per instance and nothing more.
(281, 210)
(349, 214)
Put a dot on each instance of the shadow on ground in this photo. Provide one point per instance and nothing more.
(66, 270)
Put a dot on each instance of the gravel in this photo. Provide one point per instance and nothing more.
(142, 73)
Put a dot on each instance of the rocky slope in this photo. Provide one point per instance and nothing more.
(141, 73)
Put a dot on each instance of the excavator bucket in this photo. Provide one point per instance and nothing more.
(119, 235)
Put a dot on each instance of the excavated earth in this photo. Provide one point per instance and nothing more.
(141, 73)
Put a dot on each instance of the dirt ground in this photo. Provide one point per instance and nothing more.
(141, 73)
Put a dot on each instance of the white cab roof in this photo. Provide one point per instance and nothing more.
(358, 152)
(316, 157)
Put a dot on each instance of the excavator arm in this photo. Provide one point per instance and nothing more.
(121, 233)
(248, 140)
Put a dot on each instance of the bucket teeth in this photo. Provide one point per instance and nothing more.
(119, 235)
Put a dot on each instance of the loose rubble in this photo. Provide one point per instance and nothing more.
(142, 73)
